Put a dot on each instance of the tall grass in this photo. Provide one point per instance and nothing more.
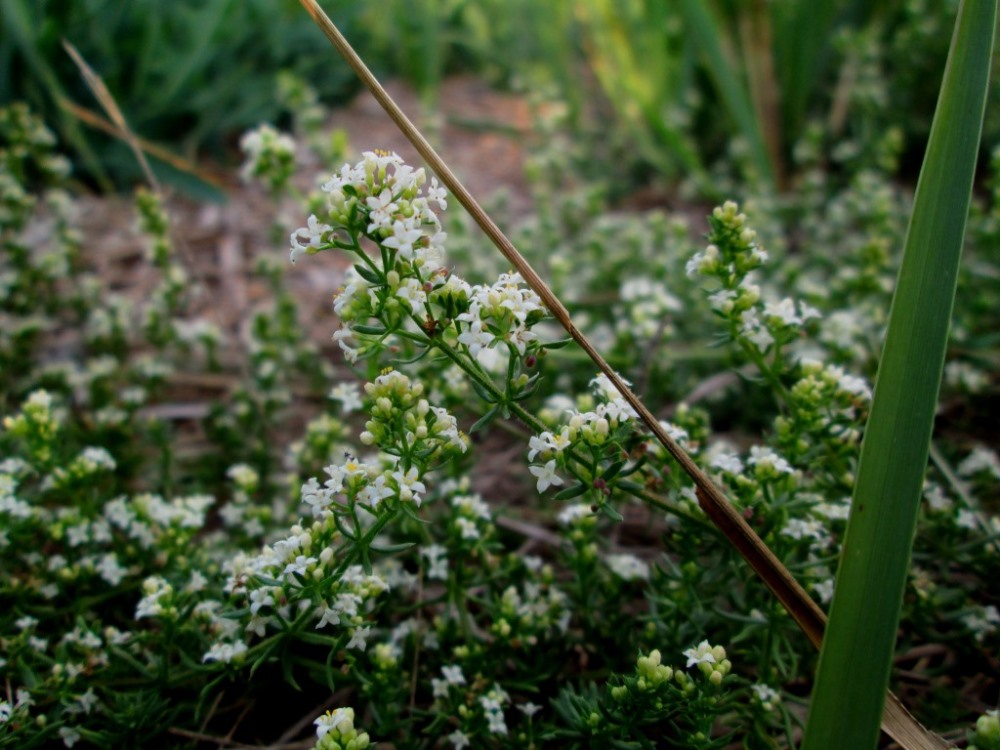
(858, 646)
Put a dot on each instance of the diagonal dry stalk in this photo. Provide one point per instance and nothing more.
(120, 128)
(101, 93)
(897, 723)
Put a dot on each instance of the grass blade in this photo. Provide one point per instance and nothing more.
(857, 651)
(707, 31)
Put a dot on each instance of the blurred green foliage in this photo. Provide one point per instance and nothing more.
(667, 89)
(191, 73)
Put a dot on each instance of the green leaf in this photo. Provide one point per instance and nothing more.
(369, 275)
(612, 471)
(857, 651)
(707, 32)
(611, 512)
(561, 343)
(484, 394)
(388, 549)
(485, 420)
(570, 492)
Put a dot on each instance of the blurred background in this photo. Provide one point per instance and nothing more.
(654, 92)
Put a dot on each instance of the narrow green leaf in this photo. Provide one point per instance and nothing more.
(484, 420)
(570, 492)
(857, 651)
(707, 32)
(803, 35)
(368, 275)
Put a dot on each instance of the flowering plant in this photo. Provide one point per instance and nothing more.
(576, 596)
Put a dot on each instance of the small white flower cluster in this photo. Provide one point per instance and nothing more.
(767, 464)
(740, 255)
(406, 288)
(294, 564)
(731, 259)
(335, 730)
(492, 704)
(226, 652)
(270, 156)
(502, 312)
(10, 505)
(591, 428)
(534, 612)
(646, 306)
(710, 660)
(628, 567)
(427, 430)
(156, 601)
(471, 518)
(91, 462)
(349, 396)
(982, 621)
(766, 695)
(981, 460)
(380, 197)
(240, 513)
(451, 675)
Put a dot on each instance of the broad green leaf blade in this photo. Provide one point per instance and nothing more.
(857, 651)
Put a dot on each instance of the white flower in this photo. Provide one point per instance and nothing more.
(628, 567)
(459, 739)
(69, 735)
(342, 337)
(546, 475)
(260, 598)
(225, 652)
(404, 235)
(936, 498)
(529, 709)
(729, 463)
(700, 654)
(452, 674)
(377, 491)
(349, 396)
(437, 558)
(314, 233)
(359, 638)
(980, 459)
(966, 519)
(569, 515)
(382, 208)
(409, 485)
(340, 719)
(546, 443)
(468, 528)
(437, 194)
(766, 694)
(797, 528)
(824, 590)
(768, 461)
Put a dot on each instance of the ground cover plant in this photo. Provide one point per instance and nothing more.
(360, 578)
